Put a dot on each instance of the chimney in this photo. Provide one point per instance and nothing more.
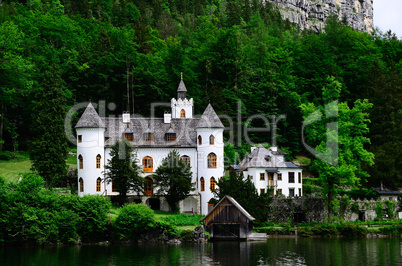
(274, 148)
(167, 118)
(252, 148)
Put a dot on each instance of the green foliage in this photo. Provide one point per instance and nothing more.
(35, 215)
(244, 192)
(183, 219)
(6, 156)
(392, 230)
(351, 230)
(390, 208)
(342, 144)
(173, 178)
(123, 170)
(49, 146)
(227, 50)
(379, 210)
(355, 208)
(135, 220)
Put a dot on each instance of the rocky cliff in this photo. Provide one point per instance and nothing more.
(311, 14)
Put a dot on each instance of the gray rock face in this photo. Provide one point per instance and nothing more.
(311, 14)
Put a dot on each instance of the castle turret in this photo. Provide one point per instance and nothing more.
(90, 152)
(182, 107)
(210, 154)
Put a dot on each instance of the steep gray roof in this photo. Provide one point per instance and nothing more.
(209, 119)
(263, 158)
(181, 87)
(186, 136)
(387, 191)
(90, 118)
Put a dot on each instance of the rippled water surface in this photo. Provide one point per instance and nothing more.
(275, 251)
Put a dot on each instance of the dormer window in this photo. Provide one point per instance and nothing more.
(267, 158)
(128, 134)
(148, 137)
(170, 137)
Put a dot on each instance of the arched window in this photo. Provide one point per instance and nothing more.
(81, 161)
(211, 140)
(182, 113)
(149, 183)
(212, 183)
(147, 164)
(202, 182)
(81, 184)
(199, 140)
(185, 159)
(98, 161)
(211, 160)
(98, 184)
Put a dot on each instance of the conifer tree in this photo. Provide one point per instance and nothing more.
(173, 178)
(123, 171)
(49, 145)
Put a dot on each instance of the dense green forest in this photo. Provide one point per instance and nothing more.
(227, 50)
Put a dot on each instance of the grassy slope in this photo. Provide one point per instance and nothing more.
(12, 170)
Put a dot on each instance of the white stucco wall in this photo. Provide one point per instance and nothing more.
(158, 154)
(92, 145)
(178, 105)
(279, 184)
(203, 171)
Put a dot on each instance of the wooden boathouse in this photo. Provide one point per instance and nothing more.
(228, 220)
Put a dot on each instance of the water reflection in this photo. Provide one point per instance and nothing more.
(275, 251)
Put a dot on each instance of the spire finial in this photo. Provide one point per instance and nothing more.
(181, 75)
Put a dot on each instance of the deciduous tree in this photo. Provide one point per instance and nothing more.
(339, 133)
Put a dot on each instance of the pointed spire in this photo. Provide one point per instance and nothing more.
(181, 90)
(209, 119)
(90, 118)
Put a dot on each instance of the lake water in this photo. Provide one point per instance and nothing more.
(275, 251)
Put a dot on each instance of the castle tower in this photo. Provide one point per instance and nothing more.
(210, 155)
(90, 152)
(182, 107)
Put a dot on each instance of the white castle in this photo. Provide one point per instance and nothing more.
(199, 141)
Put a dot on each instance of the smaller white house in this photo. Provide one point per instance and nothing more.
(267, 169)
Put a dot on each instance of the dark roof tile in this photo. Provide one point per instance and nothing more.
(209, 119)
(90, 119)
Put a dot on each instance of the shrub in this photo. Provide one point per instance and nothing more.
(378, 210)
(393, 230)
(134, 220)
(304, 232)
(390, 208)
(351, 230)
(6, 156)
(34, 215)
(327, 230)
